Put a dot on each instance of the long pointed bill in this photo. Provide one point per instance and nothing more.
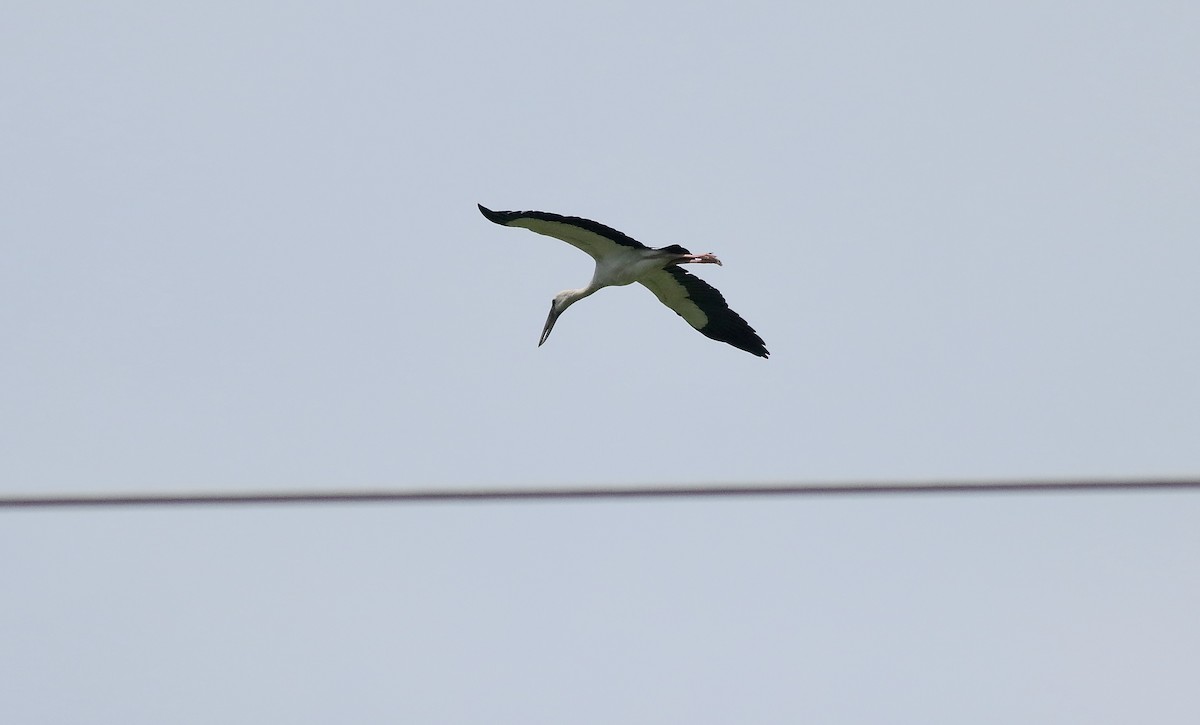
(550, 320)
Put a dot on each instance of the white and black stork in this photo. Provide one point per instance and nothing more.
(622, 260)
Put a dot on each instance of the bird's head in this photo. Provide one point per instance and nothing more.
(558, 305)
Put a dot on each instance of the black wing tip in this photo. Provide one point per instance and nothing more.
(508, 217)
(743, 339)
(499, 217)
(733, 330)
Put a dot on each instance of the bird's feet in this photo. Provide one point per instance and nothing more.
(706, 258)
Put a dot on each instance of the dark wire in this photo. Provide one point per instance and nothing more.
(590, 493)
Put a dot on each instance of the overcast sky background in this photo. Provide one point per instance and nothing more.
(241, 251)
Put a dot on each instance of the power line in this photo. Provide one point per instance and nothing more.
(593, 493)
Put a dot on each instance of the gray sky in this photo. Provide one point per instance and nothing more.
(241, 251)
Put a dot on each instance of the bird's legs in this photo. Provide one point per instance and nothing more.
(706, 258)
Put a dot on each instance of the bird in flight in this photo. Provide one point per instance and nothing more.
(622, 260)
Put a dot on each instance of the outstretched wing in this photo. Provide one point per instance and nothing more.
(592, 237)
(703, 307)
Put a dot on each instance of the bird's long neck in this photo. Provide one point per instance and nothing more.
(571, 296)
